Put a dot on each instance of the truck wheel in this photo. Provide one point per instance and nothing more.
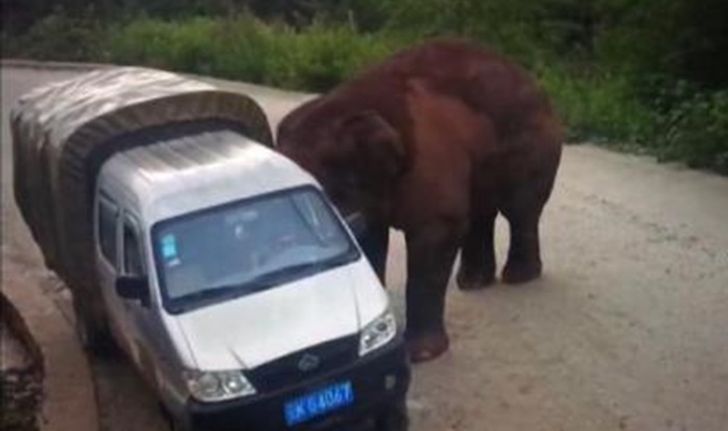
(93, 338)
(174, 423)
(394, 418)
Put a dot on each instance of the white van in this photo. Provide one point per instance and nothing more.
(236, 289)
(232, 282)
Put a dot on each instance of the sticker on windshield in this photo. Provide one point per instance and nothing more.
(169, 249)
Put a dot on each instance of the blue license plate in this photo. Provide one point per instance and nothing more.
(318, 403)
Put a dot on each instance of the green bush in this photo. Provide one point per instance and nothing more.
(59, 36)
(696, 131)
(600, 108)
(164, 44)
(315, 58)
(320, 57)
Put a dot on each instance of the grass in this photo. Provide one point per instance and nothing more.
(245, 48)
(600, 108)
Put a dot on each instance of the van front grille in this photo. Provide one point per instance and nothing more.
(305, 364)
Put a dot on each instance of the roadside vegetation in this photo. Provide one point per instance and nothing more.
(648, 76)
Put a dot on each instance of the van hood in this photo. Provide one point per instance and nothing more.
(252, 330)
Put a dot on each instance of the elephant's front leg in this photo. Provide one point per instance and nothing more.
(430, 256)
(375, 244)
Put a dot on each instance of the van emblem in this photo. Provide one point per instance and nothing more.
(308, 362)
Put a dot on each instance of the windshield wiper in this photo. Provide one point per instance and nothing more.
(274, 277)
(277, 276)
(264, 281)
(204, 297)
(207, 295)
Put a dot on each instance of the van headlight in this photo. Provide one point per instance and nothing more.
(210, 386)
(377, 333)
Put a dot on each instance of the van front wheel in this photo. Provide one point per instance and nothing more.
(394, 418)
(174, 424)
(93, 338)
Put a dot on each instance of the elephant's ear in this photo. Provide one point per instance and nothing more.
(377, 144)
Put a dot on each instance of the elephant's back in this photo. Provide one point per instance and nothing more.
(486, 81)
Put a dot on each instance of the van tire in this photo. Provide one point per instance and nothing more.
(94, 338)
(394, 418)
(173, 423)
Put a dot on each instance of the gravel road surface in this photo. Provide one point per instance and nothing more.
(627, 330)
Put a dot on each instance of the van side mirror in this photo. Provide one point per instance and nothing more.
(357, 223)
(133, 287)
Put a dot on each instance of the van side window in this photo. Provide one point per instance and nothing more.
(132, 251)
(108, 213)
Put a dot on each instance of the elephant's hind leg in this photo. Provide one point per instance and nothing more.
(523, 200)
(522, 208)
(477, 256)
(524, 255)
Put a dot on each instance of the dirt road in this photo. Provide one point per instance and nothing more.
(628, 329)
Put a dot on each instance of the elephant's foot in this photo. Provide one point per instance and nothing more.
(517, 272)
(474, 281)
(426, 346)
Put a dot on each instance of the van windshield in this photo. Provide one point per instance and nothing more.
(247, 246)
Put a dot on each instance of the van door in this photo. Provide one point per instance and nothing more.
(141, 314)
(108, 263)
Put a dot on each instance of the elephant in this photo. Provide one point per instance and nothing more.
(435, 141)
